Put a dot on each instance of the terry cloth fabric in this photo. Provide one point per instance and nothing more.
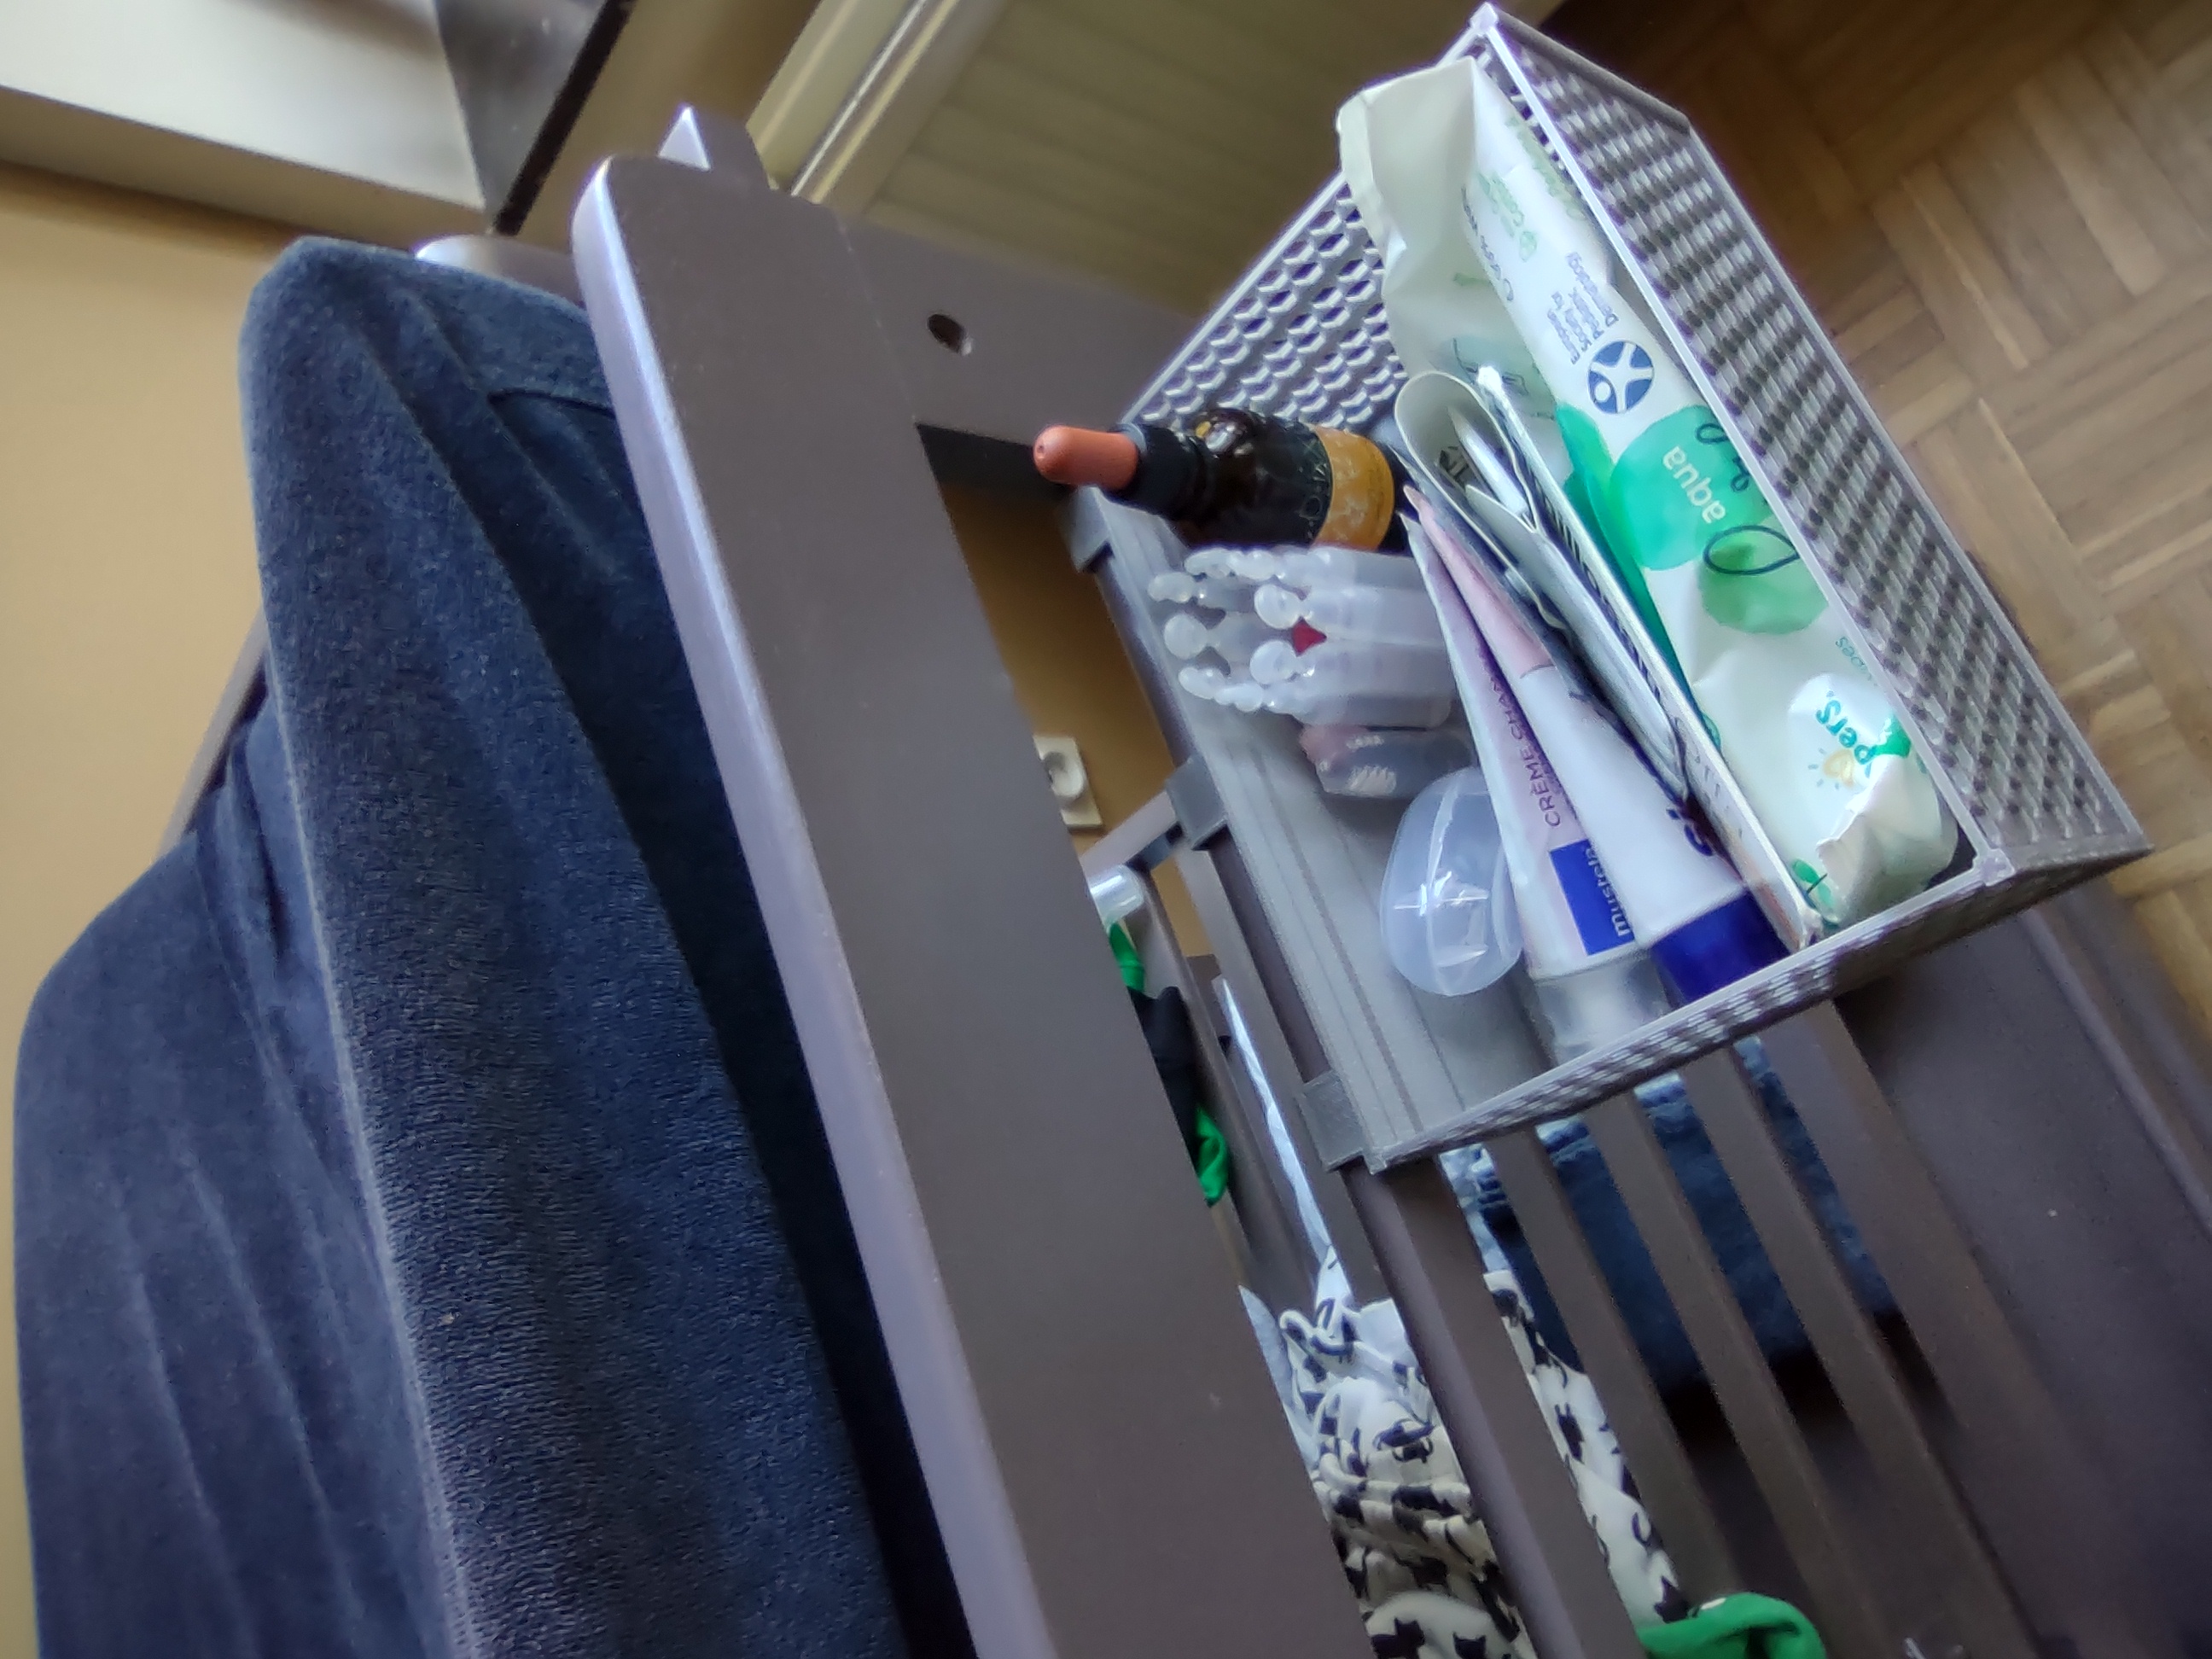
(1415, 1550)
(1614, 1240)
(426, 1242)
(1737, 1627)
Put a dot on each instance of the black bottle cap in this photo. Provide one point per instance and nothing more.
(1172, 471)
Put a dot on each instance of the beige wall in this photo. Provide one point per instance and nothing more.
(1066, 661)
(126, 585)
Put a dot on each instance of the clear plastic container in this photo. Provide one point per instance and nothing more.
(1279, 607)
(1578, 1012)
(1203, 680)
(1239, 691)
(1233, 639)
(1305, 568)
(1354, 665)
(1244, 694)
(1380, 616)
(1385, 765)
(1275, 662)
(1310, 705)
(1214, 592)
(1117, 893)
(1449, 922)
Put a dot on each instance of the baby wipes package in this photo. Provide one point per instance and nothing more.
(1437, 297)
(1814, 746)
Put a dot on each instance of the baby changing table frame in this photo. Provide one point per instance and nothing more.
(1103, 1447)
(1103, 1443)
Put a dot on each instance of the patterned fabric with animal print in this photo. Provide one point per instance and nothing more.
(1418, 1555)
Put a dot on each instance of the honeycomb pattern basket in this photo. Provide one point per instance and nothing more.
(1304, 335)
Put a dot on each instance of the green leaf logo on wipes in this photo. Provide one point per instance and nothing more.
(1752, 579)
(1847, 728)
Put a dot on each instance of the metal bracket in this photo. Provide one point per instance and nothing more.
(1197, 802)
(1331, 1120)
(1084, 526)
(1141, 840)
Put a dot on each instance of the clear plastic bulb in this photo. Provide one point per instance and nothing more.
(1310, 567)
(1312, 706)
(1184, 636)
(1275, 662)
(1214, 592)
(1362, 665)
(1255, 564)
(1277, 607)
(1384, 615)
(1233, 639)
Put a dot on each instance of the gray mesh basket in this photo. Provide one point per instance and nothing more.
(1304, 335)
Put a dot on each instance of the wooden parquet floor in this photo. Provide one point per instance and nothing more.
(2004, 214)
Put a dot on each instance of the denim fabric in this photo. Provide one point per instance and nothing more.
(1620, 1247)
(426, 1241)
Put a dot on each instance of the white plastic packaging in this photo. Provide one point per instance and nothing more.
(1233, 639)
(1366, 764)
(1381, 616)
(1278, 661)
(1683, 898)
(1714, 574)
(1437, 297)
(1456, 434)
(1243, 694)
(1215, 593)
(1355, 665)
(1447, 903)
(1279, 607)
(1117, 893)
(1313, 705)
(1308, 567)
(1590, 980)
(1203, 680)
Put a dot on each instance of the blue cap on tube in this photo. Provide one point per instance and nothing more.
(1717, 948)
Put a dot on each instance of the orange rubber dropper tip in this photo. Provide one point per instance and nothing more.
(1075, 455)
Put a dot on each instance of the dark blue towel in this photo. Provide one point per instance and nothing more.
(1620, 1247)
(426, 1242)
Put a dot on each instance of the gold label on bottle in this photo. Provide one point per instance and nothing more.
(1362, 494)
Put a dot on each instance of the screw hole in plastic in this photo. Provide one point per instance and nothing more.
(949, 332)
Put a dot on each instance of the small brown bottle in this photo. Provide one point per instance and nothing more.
(1239, 478)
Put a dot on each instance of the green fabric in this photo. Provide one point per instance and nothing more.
(1212, 1160)
(1736, 1627)
(1125, 958)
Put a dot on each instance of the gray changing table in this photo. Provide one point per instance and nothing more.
(2017, 1119)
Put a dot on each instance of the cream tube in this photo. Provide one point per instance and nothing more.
(1592, 982)
(1683, 898)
